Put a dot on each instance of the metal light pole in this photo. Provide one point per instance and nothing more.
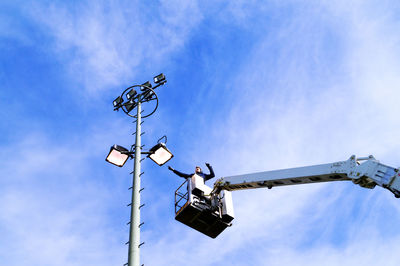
(135, 100)
(134, 230)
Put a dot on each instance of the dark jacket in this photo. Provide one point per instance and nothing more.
(206, 177)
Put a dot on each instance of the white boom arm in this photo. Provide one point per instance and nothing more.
(366, 172)
(210, 211)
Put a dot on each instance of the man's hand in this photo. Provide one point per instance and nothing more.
(207, 164)
(170, 168)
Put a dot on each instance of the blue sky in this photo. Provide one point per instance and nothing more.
(252, 86)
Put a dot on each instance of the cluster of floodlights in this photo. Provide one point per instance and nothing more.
(118, 155)
(147, 94)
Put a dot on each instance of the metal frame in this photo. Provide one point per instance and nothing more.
(141, 98)
(365, 171)
(181, 196)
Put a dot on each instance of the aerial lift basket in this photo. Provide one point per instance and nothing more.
(196, 211)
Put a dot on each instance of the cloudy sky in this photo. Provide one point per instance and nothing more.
(252, 86)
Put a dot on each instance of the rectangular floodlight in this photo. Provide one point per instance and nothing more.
(145, 86)
(148, 95)
(159, 78)
(118, 155)
(131, 94)
(130, 105)
(160, 154)
(117, 102)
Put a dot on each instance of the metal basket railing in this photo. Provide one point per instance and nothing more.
(181, 196)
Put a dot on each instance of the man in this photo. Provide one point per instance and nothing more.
(198, 172)
(197, 179)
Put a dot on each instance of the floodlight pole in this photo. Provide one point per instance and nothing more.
(134, 228)
(135, 100)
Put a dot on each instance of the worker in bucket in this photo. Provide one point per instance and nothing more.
(197, 178)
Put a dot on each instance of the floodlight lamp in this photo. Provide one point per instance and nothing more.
(130, 105)
(160, 79)
(145, 86)
(117, 102)
(148, 95)
(118, 155)
(160, 154)
(131, 94)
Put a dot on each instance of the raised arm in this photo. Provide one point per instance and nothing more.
(179, 173)
(211, 175)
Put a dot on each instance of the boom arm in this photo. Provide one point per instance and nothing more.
(212, 212)
(366, 172)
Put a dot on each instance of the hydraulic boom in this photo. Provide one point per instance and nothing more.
(366, 172)
(211, 211)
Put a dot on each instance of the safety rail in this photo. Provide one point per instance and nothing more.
(180, 194)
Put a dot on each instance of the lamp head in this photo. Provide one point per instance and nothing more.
(160, 79)
(131, 94)
(130, 105)
(160, 154)
(117, 102)
(145, 86)
(148, 95)
(118, 155)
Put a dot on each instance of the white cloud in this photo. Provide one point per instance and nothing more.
(105, 44)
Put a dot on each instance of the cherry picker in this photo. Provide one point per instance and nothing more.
(211, 211)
